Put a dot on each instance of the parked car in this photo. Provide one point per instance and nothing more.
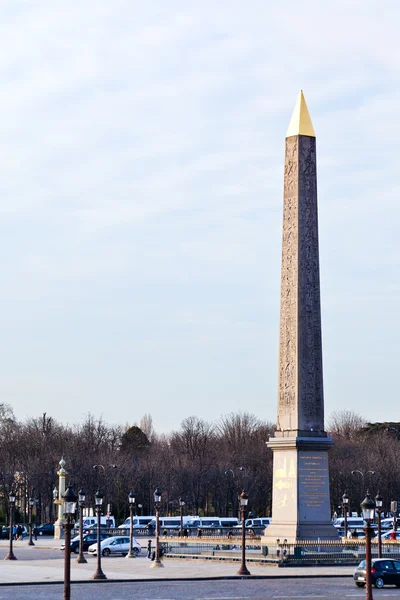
(103, 528)
(46, 529)
(383, 572)
(116, 544)
(88, 539)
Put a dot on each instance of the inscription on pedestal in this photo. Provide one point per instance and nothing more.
(313, 486)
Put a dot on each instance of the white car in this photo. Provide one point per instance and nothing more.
(118, 544)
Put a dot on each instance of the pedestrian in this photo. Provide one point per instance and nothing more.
(14, 533)
(149, 549)
(199, 532)
(186, 532)
(164, 532)
(19, 533)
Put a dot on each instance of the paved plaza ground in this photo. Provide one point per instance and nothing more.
(44, 563)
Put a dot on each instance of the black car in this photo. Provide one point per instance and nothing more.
(46, 529)
(93, 529)
(383, 572)
(88, 540)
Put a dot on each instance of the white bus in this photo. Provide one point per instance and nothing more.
(212, 522)
(171, 522)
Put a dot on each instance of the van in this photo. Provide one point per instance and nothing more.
(90, 522)
(229, 521)
(388, 523)
(352, 522)
(203, 522)
(137, 522)
(259, 522)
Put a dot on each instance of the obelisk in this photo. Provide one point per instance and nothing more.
(300, 495)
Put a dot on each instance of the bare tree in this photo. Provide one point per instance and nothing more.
(345, 423)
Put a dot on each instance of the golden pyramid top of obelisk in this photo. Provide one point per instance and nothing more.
(300, 123)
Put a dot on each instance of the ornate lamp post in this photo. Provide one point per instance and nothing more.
(157, 501)
(36, 511)
(131, 500)
(379, 505)
(368, 509)
(140, 506)
(98, 498)
(11, 500)
(243, 500)
(345, 508)
(363, 475)
(31, 502)
(82, 498)
(181, 505)
(56, 502)
(69, 508)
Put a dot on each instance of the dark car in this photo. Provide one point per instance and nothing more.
(88, 540)
(93, 528)
(46, 529)
(383, 572)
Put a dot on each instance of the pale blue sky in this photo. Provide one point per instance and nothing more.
(141, 175)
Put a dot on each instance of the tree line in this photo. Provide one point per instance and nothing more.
(207, 464)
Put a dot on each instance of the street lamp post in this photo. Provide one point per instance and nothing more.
(345, 506)
(181, 505)
(31, 502)
(36, 511)
(379, 505)
(81, 498)
(243, 500)
(140, 506)
(11, 500)
(363, 475)
(368, 509)
(131, 500)
(56, 502)
(98, 498)
(69, 508)
(157, 501)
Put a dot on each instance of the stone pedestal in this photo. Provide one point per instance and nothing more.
(300, 502)
(59, 524)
